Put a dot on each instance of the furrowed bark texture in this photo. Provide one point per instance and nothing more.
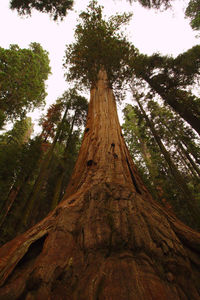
(107, 239)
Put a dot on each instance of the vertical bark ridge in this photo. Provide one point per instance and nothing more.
(103, 156)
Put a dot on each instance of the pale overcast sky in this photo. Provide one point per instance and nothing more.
(150, 31)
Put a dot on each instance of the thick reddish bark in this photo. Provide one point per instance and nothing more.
(103, 156)
(107, 239)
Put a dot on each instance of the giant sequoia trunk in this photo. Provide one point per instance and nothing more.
(107, 239)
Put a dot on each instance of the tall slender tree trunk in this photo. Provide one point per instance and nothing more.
(9, 202)
(192, 152)
(61, 176)
(57, 190)
(187, 195)
(12, 196)
(174, 99)
(107, 239)
(188, 167)
(193, 164)
(184, 151)
(43, 174)
(147, 157)
(148, 160)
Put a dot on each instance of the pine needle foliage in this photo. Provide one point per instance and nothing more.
(99, 43)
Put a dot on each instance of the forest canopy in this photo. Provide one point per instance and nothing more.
(58, 8)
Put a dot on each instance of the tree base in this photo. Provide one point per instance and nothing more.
(105, 243)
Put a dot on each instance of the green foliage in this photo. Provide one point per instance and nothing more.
(37, 202)
(76, 103)
(178, 139)
(178, 72)
(155, 3)
(172, 79)
(143, 148)
(99, 43)
(56, 8)
(50, 121)
(2, 119)
(9, 167)
(20, 132)
(18, 167)
(18, 156)
(61, 169)
(193, 12)
(11, 148)
(22, 79)
(75, 107)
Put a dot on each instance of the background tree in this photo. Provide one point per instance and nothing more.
(21, 162)
(44, 165)
(144, 150)
(59, 179)
(193, 12)
(150, 159)
(22, 79)
(176, 134)
(11, 145)
(172, 80)
(14, 148)
(20, 133)
(50, 121)
(75, 108)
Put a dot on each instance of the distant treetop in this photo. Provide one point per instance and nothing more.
(154, 3)
(193, 12)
